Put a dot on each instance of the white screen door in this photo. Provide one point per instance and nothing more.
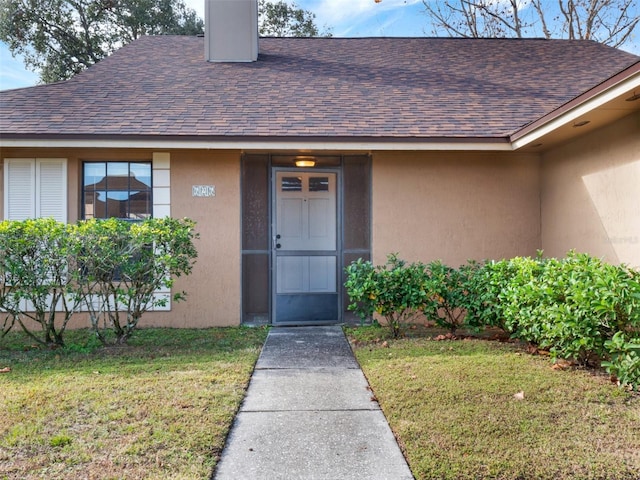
(305, 247)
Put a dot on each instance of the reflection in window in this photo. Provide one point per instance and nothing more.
(319, 184)
(117, 189)
(291, 184)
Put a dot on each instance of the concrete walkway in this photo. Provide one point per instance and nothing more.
(308, 414)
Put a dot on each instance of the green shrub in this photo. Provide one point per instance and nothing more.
(123, 265)
(397, 291)
(484, 285)
(571, 306)
(519, 298)
(448, 290)
(37, 285)
(589, 301)
(8, 305)
(49, 270)
(492, 290)
(625, 360)
(361, 287)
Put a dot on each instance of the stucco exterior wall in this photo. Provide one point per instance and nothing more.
(452, 206)
(213, 288)
(455, 206)
(590, 197)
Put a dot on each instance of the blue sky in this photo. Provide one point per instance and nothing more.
(347, 18)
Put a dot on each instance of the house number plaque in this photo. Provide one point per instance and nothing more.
(203, 191)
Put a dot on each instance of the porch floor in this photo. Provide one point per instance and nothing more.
(309, 414)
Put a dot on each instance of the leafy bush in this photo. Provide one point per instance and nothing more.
(585, 303)
(520, 298)
(123, 265)
(397, 291)
(361, 287)
(37, 285)
(569, 306)
(485, 283)
(8, 305)
(448, 290)
(578, 307)
(51, 270)
(625, 360)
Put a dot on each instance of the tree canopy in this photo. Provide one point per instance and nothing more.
(279, 19)
(60, 38)
(611, 22)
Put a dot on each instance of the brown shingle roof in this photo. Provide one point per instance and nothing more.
(317, 87)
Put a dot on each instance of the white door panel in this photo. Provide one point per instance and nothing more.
(306, 221)
(291, 220)
(306, 211)
(322, 274)
(306, 274)
(319, 217)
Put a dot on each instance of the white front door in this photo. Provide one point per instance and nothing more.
(305, 247)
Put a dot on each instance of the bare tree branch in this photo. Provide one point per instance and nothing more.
(611, 22)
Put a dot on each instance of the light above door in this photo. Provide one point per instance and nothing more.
(302, 162)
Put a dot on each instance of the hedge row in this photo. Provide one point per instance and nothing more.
(111, 269)
(577, 308)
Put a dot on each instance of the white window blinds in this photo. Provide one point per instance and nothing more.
(35, 187)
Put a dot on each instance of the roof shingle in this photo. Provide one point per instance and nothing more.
(317, 87)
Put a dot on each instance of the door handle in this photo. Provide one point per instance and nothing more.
(276, 245)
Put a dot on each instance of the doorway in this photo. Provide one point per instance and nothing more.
(300, 282)
(305, 254)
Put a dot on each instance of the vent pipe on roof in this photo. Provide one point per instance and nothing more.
(231, 30)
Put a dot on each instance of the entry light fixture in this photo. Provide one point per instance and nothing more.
(581, 123)
(634, 97)
(305, 162)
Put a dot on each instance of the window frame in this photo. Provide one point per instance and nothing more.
(129, 163)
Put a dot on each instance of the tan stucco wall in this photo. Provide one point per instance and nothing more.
(213, 288)
(425, 206)
(591, 194)
(455, 206)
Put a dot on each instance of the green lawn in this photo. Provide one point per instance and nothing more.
(452, 406)
(158, 408)
(162, 406)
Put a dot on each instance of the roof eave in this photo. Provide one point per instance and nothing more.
(609, 90)
(257, 143)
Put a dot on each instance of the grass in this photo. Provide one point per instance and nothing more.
(158, 408)
(161, 407)
(451, 405)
